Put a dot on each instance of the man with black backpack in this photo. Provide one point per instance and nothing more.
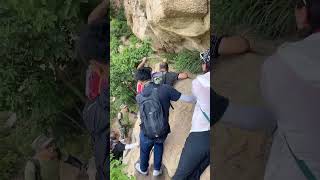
(154, 104)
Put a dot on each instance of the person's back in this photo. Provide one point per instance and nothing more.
(154, 95)
(201, 90)
(290, 85)
(292, 89)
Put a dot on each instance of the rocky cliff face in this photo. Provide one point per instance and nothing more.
(171, 25)
(180, 123)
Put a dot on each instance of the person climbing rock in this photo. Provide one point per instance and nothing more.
(141, 65)
(118, 147)
(168, 77)
(290, 86)
(92, 48)
(154, 104)
(45, 164)
(125, 121)
(164, 76)
(195, 156)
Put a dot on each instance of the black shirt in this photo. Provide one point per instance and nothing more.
(166, 94)
(170, 78)
(117, 151)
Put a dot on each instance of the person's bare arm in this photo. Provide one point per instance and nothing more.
(233, 45)
(183, 75)
(143, 62)
(99, 12)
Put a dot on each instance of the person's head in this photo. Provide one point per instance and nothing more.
(164, 67)
(205, 60)
(92, 46)
(143, 75)
(114, 135)
(307, 13)
(124, 108)
(45, 147)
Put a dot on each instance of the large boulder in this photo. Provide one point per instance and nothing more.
(180, 123)
(171, 25)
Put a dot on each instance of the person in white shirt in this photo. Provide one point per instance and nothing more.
(195, 157)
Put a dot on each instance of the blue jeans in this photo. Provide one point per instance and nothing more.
(146, 145)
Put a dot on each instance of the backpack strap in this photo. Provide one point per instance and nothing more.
(301, 163)
(205, 115)
(36, 164)
(164, 79)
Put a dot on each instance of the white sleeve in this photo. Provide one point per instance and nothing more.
(119, 115)
(188, 99)
(131, 146)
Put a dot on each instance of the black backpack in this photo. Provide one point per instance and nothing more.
(152, 115)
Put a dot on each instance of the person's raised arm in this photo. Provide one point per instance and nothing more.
(99, 12)
(233, 45)
(142, 63)
(242, 116)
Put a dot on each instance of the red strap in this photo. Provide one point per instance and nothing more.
(94, 85)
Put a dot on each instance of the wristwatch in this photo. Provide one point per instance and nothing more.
(220, 105)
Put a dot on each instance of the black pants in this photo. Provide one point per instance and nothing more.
(195, 157)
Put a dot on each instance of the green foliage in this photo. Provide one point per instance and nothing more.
(39, 74)
(268, 18)
(186, 61)
(119, 28)
(124, 59)
(116, 171)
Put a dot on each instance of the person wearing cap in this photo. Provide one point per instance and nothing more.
(290, 85)
(92, 48)
(195, 156)
(45, 164)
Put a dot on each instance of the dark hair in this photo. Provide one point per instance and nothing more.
(93, 43)
(313, 8)
(164, 65)
(143, 74)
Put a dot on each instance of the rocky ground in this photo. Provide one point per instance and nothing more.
(239, 154)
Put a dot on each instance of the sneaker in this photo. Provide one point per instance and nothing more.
(157, 172)
(139, 170)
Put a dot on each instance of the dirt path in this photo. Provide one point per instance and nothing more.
(164, 176)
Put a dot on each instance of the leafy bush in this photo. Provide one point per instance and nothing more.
(124, 59)
(116, 171)
(186, 61)
(39, 74)
(268, 18)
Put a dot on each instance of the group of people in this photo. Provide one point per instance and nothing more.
(289, 81)
(155, 93)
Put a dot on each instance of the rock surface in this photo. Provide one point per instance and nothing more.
(239, 154)
(171, 25)
(180, 123)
